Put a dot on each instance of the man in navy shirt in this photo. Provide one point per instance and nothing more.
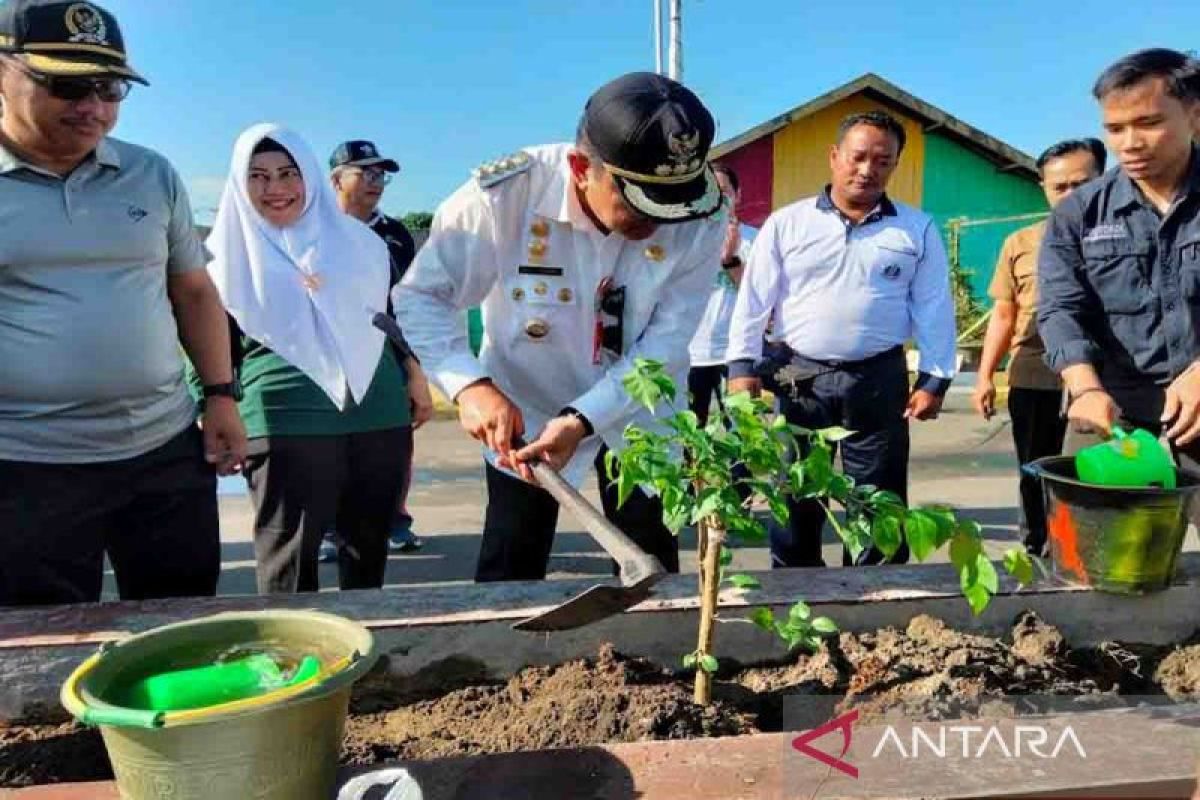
(1119, 269)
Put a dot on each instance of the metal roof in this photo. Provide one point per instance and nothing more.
(1006, 157)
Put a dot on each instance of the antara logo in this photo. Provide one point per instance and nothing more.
(945, 741)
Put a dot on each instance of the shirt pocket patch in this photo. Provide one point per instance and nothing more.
(1116, 270)
(894, 264)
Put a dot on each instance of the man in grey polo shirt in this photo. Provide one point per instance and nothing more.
(850, 276)
(101, 278)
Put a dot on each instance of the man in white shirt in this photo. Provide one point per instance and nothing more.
(850, 276)
(708, 346)
(569, 251)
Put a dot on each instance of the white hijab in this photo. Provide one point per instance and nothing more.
(264, 274)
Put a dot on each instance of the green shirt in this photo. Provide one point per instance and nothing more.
(280, 400)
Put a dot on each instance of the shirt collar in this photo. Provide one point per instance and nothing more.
(885, 208)
(1125, 193)
(558, 201)
(105, 155)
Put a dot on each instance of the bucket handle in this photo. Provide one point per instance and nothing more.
(111, 715)
(144, 718)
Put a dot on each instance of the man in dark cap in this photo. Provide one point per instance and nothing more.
(584, 257)
(101, 278)
(360, 175)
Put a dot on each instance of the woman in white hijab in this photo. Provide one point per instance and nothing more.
(327, 401)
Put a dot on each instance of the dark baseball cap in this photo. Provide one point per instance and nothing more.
(59, 37)
(653, 135)
(360, 153)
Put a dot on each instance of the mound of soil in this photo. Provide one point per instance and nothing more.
(927, 667)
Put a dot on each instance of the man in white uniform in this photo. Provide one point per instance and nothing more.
(707, 350)
(583, 258)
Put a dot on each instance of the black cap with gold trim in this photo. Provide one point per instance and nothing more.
(653, 135)
(60, 37)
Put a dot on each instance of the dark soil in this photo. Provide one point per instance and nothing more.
(615, 698)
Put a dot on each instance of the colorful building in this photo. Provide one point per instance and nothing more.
(949, 168)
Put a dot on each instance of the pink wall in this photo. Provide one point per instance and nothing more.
(754, 165)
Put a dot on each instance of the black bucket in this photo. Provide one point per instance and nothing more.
(1124, 540)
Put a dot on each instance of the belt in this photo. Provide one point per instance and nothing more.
(891, 352)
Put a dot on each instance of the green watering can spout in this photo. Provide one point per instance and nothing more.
(1135, 460)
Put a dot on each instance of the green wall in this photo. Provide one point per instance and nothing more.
(959, 183)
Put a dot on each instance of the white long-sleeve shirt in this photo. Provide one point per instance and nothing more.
(845, 292)
(712, 335)
(539, 311)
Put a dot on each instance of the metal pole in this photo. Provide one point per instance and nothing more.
(658, 34)
(676, 41)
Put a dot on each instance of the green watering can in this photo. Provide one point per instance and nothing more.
(1135, 459)
(214, 684)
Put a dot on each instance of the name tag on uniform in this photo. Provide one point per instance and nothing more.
(529, 269)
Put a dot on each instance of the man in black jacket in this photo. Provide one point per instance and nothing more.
(360, 175)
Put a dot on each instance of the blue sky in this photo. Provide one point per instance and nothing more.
(442, 86)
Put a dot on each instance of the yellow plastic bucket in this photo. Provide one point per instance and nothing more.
(283, 745)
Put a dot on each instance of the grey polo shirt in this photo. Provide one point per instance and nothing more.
(90, 365)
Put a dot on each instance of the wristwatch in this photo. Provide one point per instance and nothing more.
(577, 414)
(732, 263)
(231, 390)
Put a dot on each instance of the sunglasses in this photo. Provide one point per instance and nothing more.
(109, 90)
(375, 176)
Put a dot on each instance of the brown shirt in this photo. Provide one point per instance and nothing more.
(1015, 281)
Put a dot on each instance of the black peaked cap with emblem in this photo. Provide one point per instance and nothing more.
(64, 38)
(360, 153)
(653, 134)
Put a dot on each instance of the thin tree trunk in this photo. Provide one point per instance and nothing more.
(711, 537)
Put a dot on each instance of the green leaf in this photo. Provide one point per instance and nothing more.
(963, 550)
(858, 536)
(834, 434)
(885, 530)
(726, 557)
(763, 618)
(708, 663)
(710, 503)
(840, 487)
(745, 582)
(626, 483)
(810, 643)
(921, 530)
(824, 626)
(799, 612)
(884, 497)
(986, 573)
(689, 661)
(1019, 564)
(746, 529)
(945, 520)
(978, 597)
(796, 477)
(818, 469)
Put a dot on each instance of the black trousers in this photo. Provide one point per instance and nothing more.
(303, 486)
(154, 514)
(518, 529)
(1038, 429)
(704, 386)
(869, 399)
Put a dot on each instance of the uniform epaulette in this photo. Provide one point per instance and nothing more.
(502, 169)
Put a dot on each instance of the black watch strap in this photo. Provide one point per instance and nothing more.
(570, 411)
(232, 390)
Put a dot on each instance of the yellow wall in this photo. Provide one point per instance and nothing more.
(801, 164)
